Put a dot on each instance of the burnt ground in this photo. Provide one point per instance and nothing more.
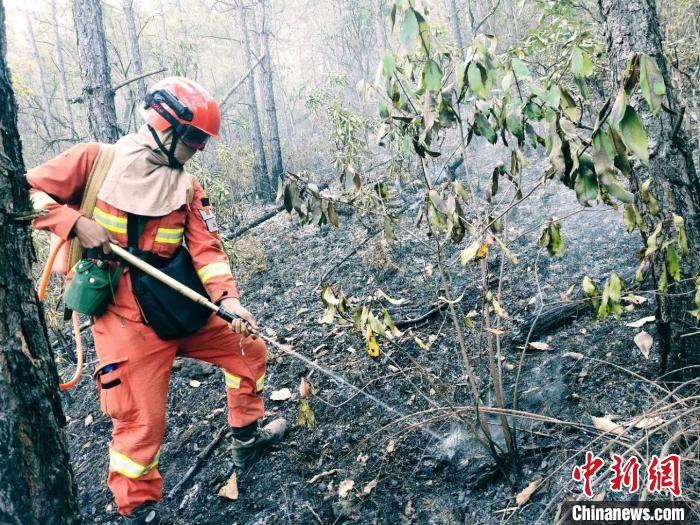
(443, 477)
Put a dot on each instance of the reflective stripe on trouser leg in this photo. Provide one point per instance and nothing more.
(126, 466)
(260, 383)
(232, 381)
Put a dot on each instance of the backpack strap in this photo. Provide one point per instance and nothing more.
(97, 175)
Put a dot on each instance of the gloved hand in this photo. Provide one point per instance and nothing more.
(238, 326)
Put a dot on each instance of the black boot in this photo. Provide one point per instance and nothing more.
(148, 514)
(249, 443)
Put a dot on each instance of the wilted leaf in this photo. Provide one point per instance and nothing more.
(306, 417)
(568, 105)
(613, 186)
(524, 495)
(551, 239)
(372, 345)
(512, 258)
(420, 343)
(644, 342)
(574, 355)
(328, 297)
(281, 395)
(641, 322)
(89, 420)
(673, 263)
(588, 287)
(469, 253)
(345, 487)
(635, 299)
(649, 422)
(332, 215)
(679, 224)
(538, 345)
(432, 76)
(520, 68)
(388, 61)
(395, 302)
(390, 446)
(581, 65)
(586, 185)
(633, 134)
(651, 201)
(409, 30)
(369, 487)
(607, 425)
(500, 312)
(230, 490)
(479, 80)
(652, 83)
(328, 315)
(389, 322)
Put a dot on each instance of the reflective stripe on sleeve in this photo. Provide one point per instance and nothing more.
(41, 200)
(260, 383)
(108, 221)
(232, 381)
(170, 235)
(128, 467)
(215, 269)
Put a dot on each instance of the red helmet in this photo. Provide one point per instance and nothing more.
(185, 106)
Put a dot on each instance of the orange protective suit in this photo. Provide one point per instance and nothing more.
(134, 363)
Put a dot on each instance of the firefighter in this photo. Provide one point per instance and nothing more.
(149, 204)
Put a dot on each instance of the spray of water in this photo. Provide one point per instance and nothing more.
(341, 380)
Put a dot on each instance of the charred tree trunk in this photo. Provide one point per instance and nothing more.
(36, 482)
(270, 106)
(45, 103)
(632, 26)
(63, 85)
(94, 69)
(260, 173)
(134, 49)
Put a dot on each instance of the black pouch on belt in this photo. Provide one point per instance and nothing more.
(169, 313)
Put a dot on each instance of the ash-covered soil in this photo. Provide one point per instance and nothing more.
(423, 468)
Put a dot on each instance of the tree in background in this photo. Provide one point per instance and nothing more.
(94, 70)
(263, 188)
(134, 48)
(58, 54)
(670, 182)
(45, 103)
(36, 481)
(270, 106)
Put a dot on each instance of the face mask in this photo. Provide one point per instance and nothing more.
(183, 153)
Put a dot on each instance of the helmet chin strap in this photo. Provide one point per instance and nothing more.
(170, 153)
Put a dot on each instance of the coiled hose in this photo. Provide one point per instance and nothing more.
(43, 284)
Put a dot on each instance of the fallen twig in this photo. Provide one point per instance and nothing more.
(437, 308)
(199, 461)
(322, 475)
